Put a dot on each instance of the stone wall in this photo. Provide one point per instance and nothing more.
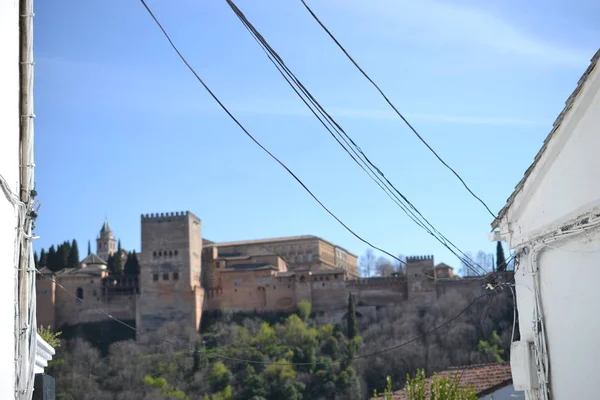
(170, 262)
(45, 302)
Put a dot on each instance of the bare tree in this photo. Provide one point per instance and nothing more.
(473, 265)
(367, 263)
(384, 267)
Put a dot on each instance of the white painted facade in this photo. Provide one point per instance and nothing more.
(553, 224)
(9, 169)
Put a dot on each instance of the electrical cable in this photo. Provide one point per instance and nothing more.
(241, 360)
(239, 124)
(410, 126)
(284, 70)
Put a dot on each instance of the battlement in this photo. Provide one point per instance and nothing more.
(418, 259)
(161, 217)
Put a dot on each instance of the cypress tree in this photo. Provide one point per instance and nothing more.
(352, 321)
(500, 260)
(110, 264)
(197, 359)
(89, 248)
(43, 258)
(52, 259)
(36, 260)
(73, 261)
(132, 265)
(63, 255)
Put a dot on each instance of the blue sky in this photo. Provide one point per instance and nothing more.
(123, 128)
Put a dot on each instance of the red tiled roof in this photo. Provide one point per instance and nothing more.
(485, 378)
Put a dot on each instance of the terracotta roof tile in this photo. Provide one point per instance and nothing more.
(485, 378)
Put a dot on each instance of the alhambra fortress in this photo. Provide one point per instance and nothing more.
(182, 275)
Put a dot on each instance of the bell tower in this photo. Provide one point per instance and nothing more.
(106, 244)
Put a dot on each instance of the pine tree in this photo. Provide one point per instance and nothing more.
(500, 260)
(119, 246)
(36, 260)
(43, 258)
(352, 321)
(52, 259)
(73, 261)
(89, 248)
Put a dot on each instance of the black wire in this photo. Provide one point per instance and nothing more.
(395, 109)
(257, 142)
(241, 360)
(291, 77)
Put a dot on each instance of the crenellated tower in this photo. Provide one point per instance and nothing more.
(420, 279)
(171, 270)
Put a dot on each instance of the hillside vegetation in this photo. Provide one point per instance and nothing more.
(293, 357)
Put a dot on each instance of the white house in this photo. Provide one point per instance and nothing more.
(552, 222)
(23, 352)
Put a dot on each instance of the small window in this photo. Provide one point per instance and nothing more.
(175, 252)
(165, 276)
(218, 264)
(335, 276)
(288, 286)
(309, 256)
(326, 278)
(154, 254)
(170, 253)
(91, 281)
(323, 284)
(300, 257)
(175, 276)
(155, 277)
(235, 290)
(95, 292)
(160, 253)
(274, 287)
(79, 294)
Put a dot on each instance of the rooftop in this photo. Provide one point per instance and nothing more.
(485, 378)
(555, 126)
(249, 267)
(274, 240)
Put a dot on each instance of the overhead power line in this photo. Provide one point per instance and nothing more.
(410, 126)
(238, 123)
(349, 145)
(188, 347)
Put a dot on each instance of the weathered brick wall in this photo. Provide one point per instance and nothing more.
(45, 302)
(328, 293)
(379, 291)
(70, 311)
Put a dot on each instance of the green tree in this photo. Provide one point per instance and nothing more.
(62, 255)
(500, 259)
(492, 348)
(219, 376)
(197, 357)
(73, 259)
(36, 260)
(132, 265)
(52, 259)
(351, 318)
(89, 248)
(43, 259)
(304, 308)
(441, 388)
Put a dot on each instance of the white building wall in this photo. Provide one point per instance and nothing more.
(563, 187)
(9, 169)
(564, 184)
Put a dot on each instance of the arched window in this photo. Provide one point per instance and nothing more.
(80, 293)
(170, 253)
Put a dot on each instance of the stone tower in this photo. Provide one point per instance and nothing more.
(420, 279)
(170, 262)
(106, 242)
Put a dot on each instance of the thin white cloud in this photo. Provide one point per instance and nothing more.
(459, 26)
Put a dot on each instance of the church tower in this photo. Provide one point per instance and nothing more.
(106, 244)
